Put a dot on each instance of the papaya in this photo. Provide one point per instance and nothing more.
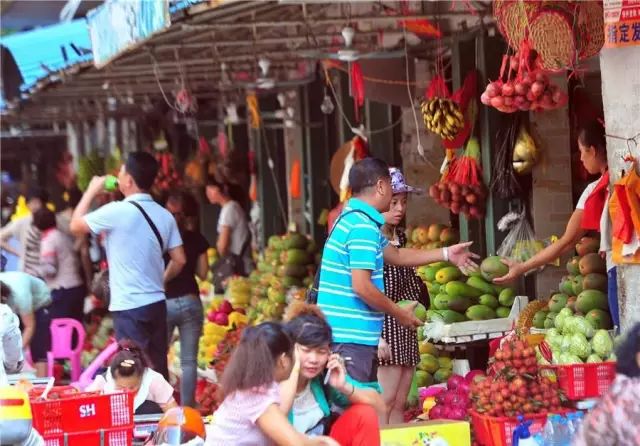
(459, 304)
(448, 274)
(573, 266)
(288, 281)
(451, 317)
(539, 318)
(498, 289)
(439, 265)
(566, 285)
(590, 300)
(492, 267)
(502, 312)
(428, 363)
(506, 297)
(587, 245)
(595, 281)
(442, 375)
(576, 282)
(294, 256)
(275, 242)
(489, 300)
(557, 302)
(449, 236)
(456, 288)
(430, 273)
(435, 288)
(295, 240)
(480, 313)
(480, 284)
(441, 301)
(292, 271)
(592, 263)
(434, 231)
(599, 319)
(550, 321)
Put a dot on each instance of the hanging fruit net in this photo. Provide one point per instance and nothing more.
(551, 34)
(461, 189)
(521, 87)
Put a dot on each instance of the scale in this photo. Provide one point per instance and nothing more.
(145, 425)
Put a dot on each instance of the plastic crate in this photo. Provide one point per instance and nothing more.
(581, 381)
(86, 412)
(122, 436)
(498, 431)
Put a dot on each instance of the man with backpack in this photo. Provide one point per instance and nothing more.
(138, 232)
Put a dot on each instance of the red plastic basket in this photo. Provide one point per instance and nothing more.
(498, 431)
(580, 381)
(104, 437)
(86, 413)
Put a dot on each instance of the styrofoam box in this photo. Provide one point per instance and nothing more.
(485, 329)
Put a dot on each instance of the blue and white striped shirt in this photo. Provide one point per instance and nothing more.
(355, 243)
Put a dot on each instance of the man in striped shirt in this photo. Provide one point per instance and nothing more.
(351, 287)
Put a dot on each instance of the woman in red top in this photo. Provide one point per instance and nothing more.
(585, 218)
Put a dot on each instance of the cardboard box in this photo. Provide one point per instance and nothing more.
(427, 433)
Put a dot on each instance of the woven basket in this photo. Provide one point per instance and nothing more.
(590, 37)
(513, 18)
(552, 36)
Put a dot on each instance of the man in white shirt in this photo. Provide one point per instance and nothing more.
(138, 232)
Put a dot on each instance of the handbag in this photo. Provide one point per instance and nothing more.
(100, 286)
(229, 266)
(311, 296)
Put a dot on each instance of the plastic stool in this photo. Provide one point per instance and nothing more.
(88, 374)
(62, 331)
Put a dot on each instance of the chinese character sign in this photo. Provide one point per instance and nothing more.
(621, 23)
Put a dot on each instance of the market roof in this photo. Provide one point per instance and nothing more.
(215, 49)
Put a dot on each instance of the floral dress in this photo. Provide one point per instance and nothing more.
(615, 421)
(402, 283)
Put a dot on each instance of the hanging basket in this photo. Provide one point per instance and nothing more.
(552, 36)
(513, 17)
(590, 37)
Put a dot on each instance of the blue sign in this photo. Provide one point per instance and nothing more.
(120, 25)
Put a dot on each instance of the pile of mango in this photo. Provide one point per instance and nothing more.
(288, 262)
(455, 297)
(583, 291)
(431, 237)
(434, 367)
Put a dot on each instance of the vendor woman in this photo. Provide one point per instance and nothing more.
(590, 215)
(130, 371)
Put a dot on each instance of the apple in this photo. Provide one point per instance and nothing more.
(211, 316)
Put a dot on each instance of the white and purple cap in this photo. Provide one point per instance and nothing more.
(399, 185)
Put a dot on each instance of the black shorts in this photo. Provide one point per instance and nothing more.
(361, 361)
(41, 340)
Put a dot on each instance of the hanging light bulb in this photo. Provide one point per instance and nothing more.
(327, 106)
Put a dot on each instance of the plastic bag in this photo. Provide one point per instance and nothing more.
(520, 243)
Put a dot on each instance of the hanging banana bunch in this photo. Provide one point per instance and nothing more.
(443, 117)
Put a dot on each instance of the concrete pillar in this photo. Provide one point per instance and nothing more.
(293, 146)
(551, 204)
(621, 99)
(421, 209)
(73, 143)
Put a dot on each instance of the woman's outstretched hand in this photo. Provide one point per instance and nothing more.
(515, 270)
